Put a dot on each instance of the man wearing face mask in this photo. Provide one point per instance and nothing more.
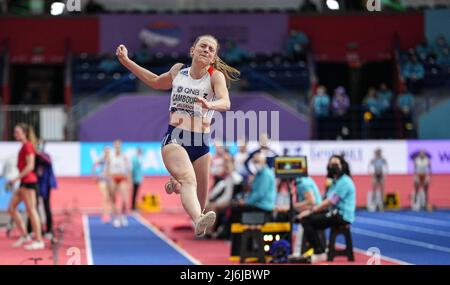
(262, 196)
(338, 208)
(265, 150)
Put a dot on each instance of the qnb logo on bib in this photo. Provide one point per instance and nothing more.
(195, 92)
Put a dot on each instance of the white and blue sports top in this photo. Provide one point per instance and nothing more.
(185, 91)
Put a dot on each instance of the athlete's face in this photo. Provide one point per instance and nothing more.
(19, 133)
(117, 146)
(204, 51)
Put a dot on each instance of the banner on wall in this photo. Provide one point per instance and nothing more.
(358, 155)
(176, 33)
(65, 156)
(152, 159)
(438, 151)
(75, 159)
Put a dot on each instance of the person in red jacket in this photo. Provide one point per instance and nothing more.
(28, 188)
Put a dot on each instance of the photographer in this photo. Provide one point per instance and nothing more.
(308, 196)
(262, 195)
(337, 209)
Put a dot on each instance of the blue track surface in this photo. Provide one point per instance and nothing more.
(412, 237)
(132, 245)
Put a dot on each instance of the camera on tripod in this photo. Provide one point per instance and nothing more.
(290, 167)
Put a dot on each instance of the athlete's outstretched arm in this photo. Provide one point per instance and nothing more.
(222, 103)
(161, 82)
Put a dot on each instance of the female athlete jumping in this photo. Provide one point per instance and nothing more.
(197, 91)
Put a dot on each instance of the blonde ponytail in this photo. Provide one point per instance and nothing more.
(29, 133)
(32, 136)
(231, 73)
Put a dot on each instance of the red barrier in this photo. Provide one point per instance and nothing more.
(335, 37)
(42, 40)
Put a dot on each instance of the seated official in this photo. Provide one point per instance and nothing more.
(308, 196)
(337, 209)
(262, 196)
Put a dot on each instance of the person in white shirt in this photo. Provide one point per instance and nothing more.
(240, 157)
(422, 177)
(100, 170)
(378, 167)
(119, 171)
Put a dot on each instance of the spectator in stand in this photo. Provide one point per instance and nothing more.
(233, 53)
(422, 51)
(444, 58)
(297, 43)
(384, 96)
(142, 56)
(440, 45)
(321, 106)
(371, 102)
(340, 103)
(405, 103)
(321, 103)
(413, 72)
(109, 64)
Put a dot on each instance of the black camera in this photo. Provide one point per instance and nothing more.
(291, 166)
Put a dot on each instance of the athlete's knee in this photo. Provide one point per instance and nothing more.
(187, 180)
(30, 213)
(11, 210)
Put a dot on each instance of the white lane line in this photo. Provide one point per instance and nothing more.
(400, 226)
(400, 240)
(87, 240)
(427, 221)
(162, 236)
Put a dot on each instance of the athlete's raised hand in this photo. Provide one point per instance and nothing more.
(122, 53)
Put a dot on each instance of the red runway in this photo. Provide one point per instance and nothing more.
(80, 195)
